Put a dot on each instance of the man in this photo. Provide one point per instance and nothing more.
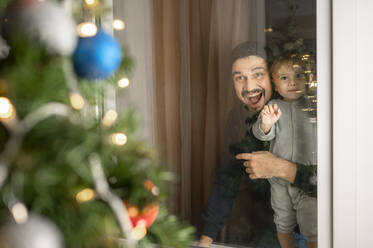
(253, 88)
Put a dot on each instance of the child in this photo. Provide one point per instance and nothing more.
(287, 124)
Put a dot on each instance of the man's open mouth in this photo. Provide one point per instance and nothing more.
(254, 97)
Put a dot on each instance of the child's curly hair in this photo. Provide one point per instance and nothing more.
(291, 60)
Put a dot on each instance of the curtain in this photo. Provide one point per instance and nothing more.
(193, 90)
(181, 83)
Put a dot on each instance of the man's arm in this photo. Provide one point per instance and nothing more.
(227, 180)
(222, 196)
(266, 165)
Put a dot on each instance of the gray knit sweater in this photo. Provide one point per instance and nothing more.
(294, 136)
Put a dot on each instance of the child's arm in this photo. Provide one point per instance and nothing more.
(268, 133)
(269, 115)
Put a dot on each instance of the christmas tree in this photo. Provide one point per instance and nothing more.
(72, 173)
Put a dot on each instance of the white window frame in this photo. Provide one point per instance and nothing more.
(324, 129)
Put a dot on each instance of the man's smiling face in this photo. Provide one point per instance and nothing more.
(251, 82)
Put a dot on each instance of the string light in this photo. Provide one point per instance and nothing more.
(90, 2)
(77, 101)
(19, 212)
(123, 83)
(85, 195)
(308, 109)
(118, 24)
(87, 29)
(156, 191)
(313, 84)
(109, 118)
(313, 120)
(119, 139)
(149, 185)
(6, 109)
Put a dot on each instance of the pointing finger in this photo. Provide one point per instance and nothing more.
(246, 156)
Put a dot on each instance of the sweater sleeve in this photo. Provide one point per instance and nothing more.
(220, 202)
(227, 180)
(260, 135)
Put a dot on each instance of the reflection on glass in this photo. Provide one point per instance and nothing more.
(205, 98)
(277, 91)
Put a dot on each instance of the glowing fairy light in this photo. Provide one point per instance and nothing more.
(123, 83)
(308, 109)
(156, 191)
(87, 29)
(85, 195)
(109, 118)
(149, 185)
(313, 84)
(118, 24)
(20, 213)
(119, 139)
(90, 2)
(6, 108)
(77, 101)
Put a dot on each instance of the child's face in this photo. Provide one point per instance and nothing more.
(289, 81)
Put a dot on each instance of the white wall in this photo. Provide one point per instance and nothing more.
(352, 93)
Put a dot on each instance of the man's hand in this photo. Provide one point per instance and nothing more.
(205, 241)
(266, 165)
(269, 115)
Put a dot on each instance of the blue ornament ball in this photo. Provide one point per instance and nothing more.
(97, 57)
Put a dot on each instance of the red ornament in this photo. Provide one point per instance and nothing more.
(146, 217)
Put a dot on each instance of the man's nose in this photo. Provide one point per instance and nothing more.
(250, 84)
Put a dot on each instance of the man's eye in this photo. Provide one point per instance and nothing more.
(283, 78)
(258, 74)
(238, 78)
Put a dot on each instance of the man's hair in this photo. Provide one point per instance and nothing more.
(246, 49)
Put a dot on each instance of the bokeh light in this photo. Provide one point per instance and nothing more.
(85, 195)
(119, 139)
(123, 83)
(77, 101)
(87, 29)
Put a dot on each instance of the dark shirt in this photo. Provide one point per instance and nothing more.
(238, 138)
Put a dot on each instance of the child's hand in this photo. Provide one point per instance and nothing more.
(269, 115)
